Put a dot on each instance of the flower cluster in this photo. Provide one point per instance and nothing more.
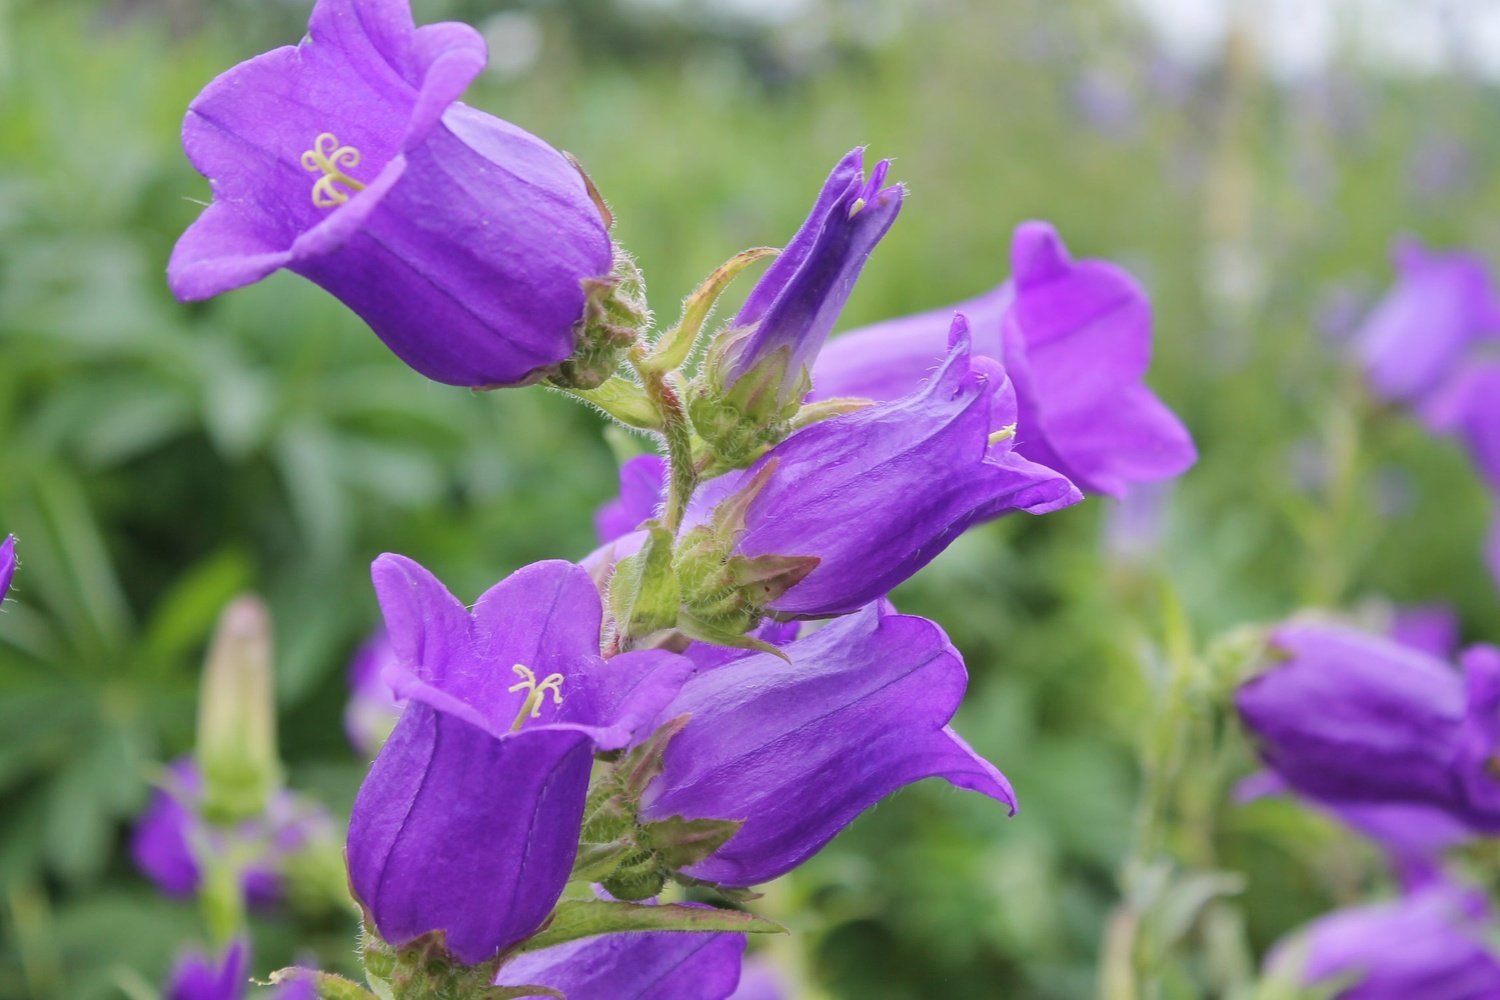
(1400, 746)
(659, 714)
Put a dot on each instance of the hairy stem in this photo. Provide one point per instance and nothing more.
(682, 476)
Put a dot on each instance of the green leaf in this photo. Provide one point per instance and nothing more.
(581, 918)
(644, 595)
(677, 343)
(621, 399)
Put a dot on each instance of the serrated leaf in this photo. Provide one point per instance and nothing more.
(580, 918)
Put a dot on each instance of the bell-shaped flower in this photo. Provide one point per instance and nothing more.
(468, 821)
(1466, 407)
(642, 489)
(640, 965)
(1075, 338)
(870, 497)
(1433, 943)
(459, 238)
(1358, 721)
(1428, 628)
(7, 564)
(171, 833)
(796, 751)
(373, 708)
(1439, 307)
(757, 372)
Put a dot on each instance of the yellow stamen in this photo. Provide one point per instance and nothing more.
(536, 692)
(329, 158)
(1003, 434)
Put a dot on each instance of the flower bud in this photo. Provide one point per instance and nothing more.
(236, 751)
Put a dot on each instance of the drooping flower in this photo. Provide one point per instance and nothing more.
(1074, 337)
(373, 707)
(641, 965)
(459, 238)
(468, 821)
(1429, 944)
(875, 495)
(199, 977)
(171, 830)
(1360, 721)
(797, 751)
(1429, 628)
(7, 564)
(1440, 306)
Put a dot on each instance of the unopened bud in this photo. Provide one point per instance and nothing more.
(236, 750)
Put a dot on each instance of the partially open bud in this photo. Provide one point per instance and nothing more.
(756, 374)
(236, 750)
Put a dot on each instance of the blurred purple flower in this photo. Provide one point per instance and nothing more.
(1356, 720)
(1467, 406)
(1075, 339)
(1429, 945)
(1414, 339)
(1439, 165)
(373, 707)
(642, 488)
(1136, 523)
(759, 980)
(7, 564)
(1428, 628)
(163, 842)
(1105, 103)
(199, 977)
(875, 495)
(459, 238)
(642, 965)
(798, 751)
(468, 821)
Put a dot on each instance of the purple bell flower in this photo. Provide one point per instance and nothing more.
(162, 843)
(798, 751)
(198, 977)
(1429, 945)
(792, 309)
(459, 238)
(1075, 338)
(468, 821)
(875, 495)
(759, 980)
(373, 707)
(1428, 628)
(1467, 406)
(641, 965)
(1441, 304)
(642, 489)
(1355, 720)
(7, 564)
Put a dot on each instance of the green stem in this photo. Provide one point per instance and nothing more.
(682, 476)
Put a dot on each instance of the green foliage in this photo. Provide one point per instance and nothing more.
(158, 459)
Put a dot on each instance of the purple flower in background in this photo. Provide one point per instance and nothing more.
(459, 238)
(1441, 304)
(1428, 628)
(797, 751)
(198, 977)
(788, 315)
(1075, 338)
(1355, 720)
(1429, 945)
(642, 487)
(373, 707)
(468, 821)
(1467, 405)
(7, 564)
(642, 965)
(875, 495)
(164, 838)
(759, 980)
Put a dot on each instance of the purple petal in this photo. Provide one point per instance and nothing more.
(1428, 628)
(1465, 406)
(457, 831)
(199, 977)
(636, 966)
(373, 707)
(7, 564)
(798, 751)
(642, 487)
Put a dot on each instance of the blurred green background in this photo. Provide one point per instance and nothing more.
(156, 459)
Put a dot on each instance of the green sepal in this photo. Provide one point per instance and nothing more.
(705, 631)
(328, 985)
(682, 842)
(674, 346)
(813, 413)
(621, 399)
(581, 918)
(615, 314)
(596, 862)
(762, 579)
(644, 595)
(735, 894)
